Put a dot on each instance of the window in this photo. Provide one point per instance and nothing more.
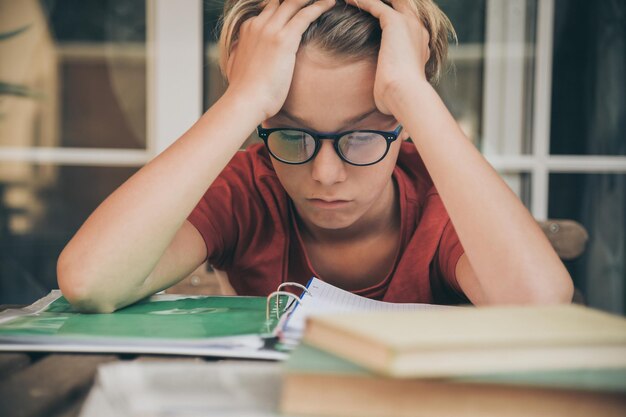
(75, 137)
(115, 82)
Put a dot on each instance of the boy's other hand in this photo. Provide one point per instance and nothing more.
(404, 49)
(262, 61)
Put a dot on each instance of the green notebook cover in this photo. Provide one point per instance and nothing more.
(159, 323)
(306, 359)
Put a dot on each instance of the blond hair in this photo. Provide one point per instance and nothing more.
(345, 31)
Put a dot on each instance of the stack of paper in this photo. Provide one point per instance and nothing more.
(185, 389)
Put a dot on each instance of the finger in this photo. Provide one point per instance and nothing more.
(301, 21)
(288, 9)
(231, 58)
(269, 9)
(379, 9)
(426, 37)
(403, 7)
(376, 8)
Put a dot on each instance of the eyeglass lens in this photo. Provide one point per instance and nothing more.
(356, 147)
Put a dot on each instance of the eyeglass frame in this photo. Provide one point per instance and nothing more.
(389, 136)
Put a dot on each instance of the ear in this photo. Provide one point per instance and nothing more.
(404, 135)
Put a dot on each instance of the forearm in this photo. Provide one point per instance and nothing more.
(511, 257)
(122, 241)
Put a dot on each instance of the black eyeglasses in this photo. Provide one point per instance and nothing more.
(356, 147)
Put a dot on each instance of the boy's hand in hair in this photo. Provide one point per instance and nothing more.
(404, 49)
(262, 61)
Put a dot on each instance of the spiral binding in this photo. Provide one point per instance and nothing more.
(276, 294)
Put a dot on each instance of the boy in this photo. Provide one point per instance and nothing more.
(360, 207)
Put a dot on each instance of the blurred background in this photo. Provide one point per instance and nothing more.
(90, 90)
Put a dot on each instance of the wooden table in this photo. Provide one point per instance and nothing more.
(53, 384)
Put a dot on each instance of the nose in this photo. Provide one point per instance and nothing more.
(327, 168)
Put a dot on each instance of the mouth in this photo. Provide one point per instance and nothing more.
(328, 204)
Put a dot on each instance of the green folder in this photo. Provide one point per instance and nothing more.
(317, 383)
(224, 325)
(306, 359)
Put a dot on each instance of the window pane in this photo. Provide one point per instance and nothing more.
(41, 207)
(598, 202)
(520, 184)
(461, 87)
(85, 62)
(214, 83)
(588, 100)
(490, 87)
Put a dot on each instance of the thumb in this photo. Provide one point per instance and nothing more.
(231, 59)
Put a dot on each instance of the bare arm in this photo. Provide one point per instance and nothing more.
(507, 257)
(112, 260)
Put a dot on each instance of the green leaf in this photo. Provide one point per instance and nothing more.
(7, 35)
(18, 90)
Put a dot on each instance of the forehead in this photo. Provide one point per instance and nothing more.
(327, 92)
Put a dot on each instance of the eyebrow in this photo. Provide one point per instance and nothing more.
(302, 122)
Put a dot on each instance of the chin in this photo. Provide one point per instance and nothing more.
(332, 221)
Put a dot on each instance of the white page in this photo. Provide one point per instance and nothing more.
(324, 298)
(185, 388)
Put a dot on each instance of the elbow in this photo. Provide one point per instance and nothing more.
(77, 289)
(546, 283)
(565, 292)
(560, 290)
(547, 290)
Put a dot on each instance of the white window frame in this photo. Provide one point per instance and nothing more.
(504, 102)
(174, 98)
(174, 91)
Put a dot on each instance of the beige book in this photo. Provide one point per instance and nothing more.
(473, 339)
(319, 384)
(350, 396)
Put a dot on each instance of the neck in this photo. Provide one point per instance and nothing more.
(381, 218)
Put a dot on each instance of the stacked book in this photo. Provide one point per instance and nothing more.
(563, 360)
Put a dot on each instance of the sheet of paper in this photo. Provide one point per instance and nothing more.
(185, 388)
(324, 298)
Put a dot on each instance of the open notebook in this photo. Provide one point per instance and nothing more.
(320, 297)
(225, 326)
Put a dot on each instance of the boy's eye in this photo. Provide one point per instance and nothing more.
(291, 135)
(364, 137)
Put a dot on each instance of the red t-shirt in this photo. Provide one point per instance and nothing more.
(248, 224)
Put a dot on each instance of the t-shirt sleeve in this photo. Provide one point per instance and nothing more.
(230, 214)
(213, 217)
(449, 253)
